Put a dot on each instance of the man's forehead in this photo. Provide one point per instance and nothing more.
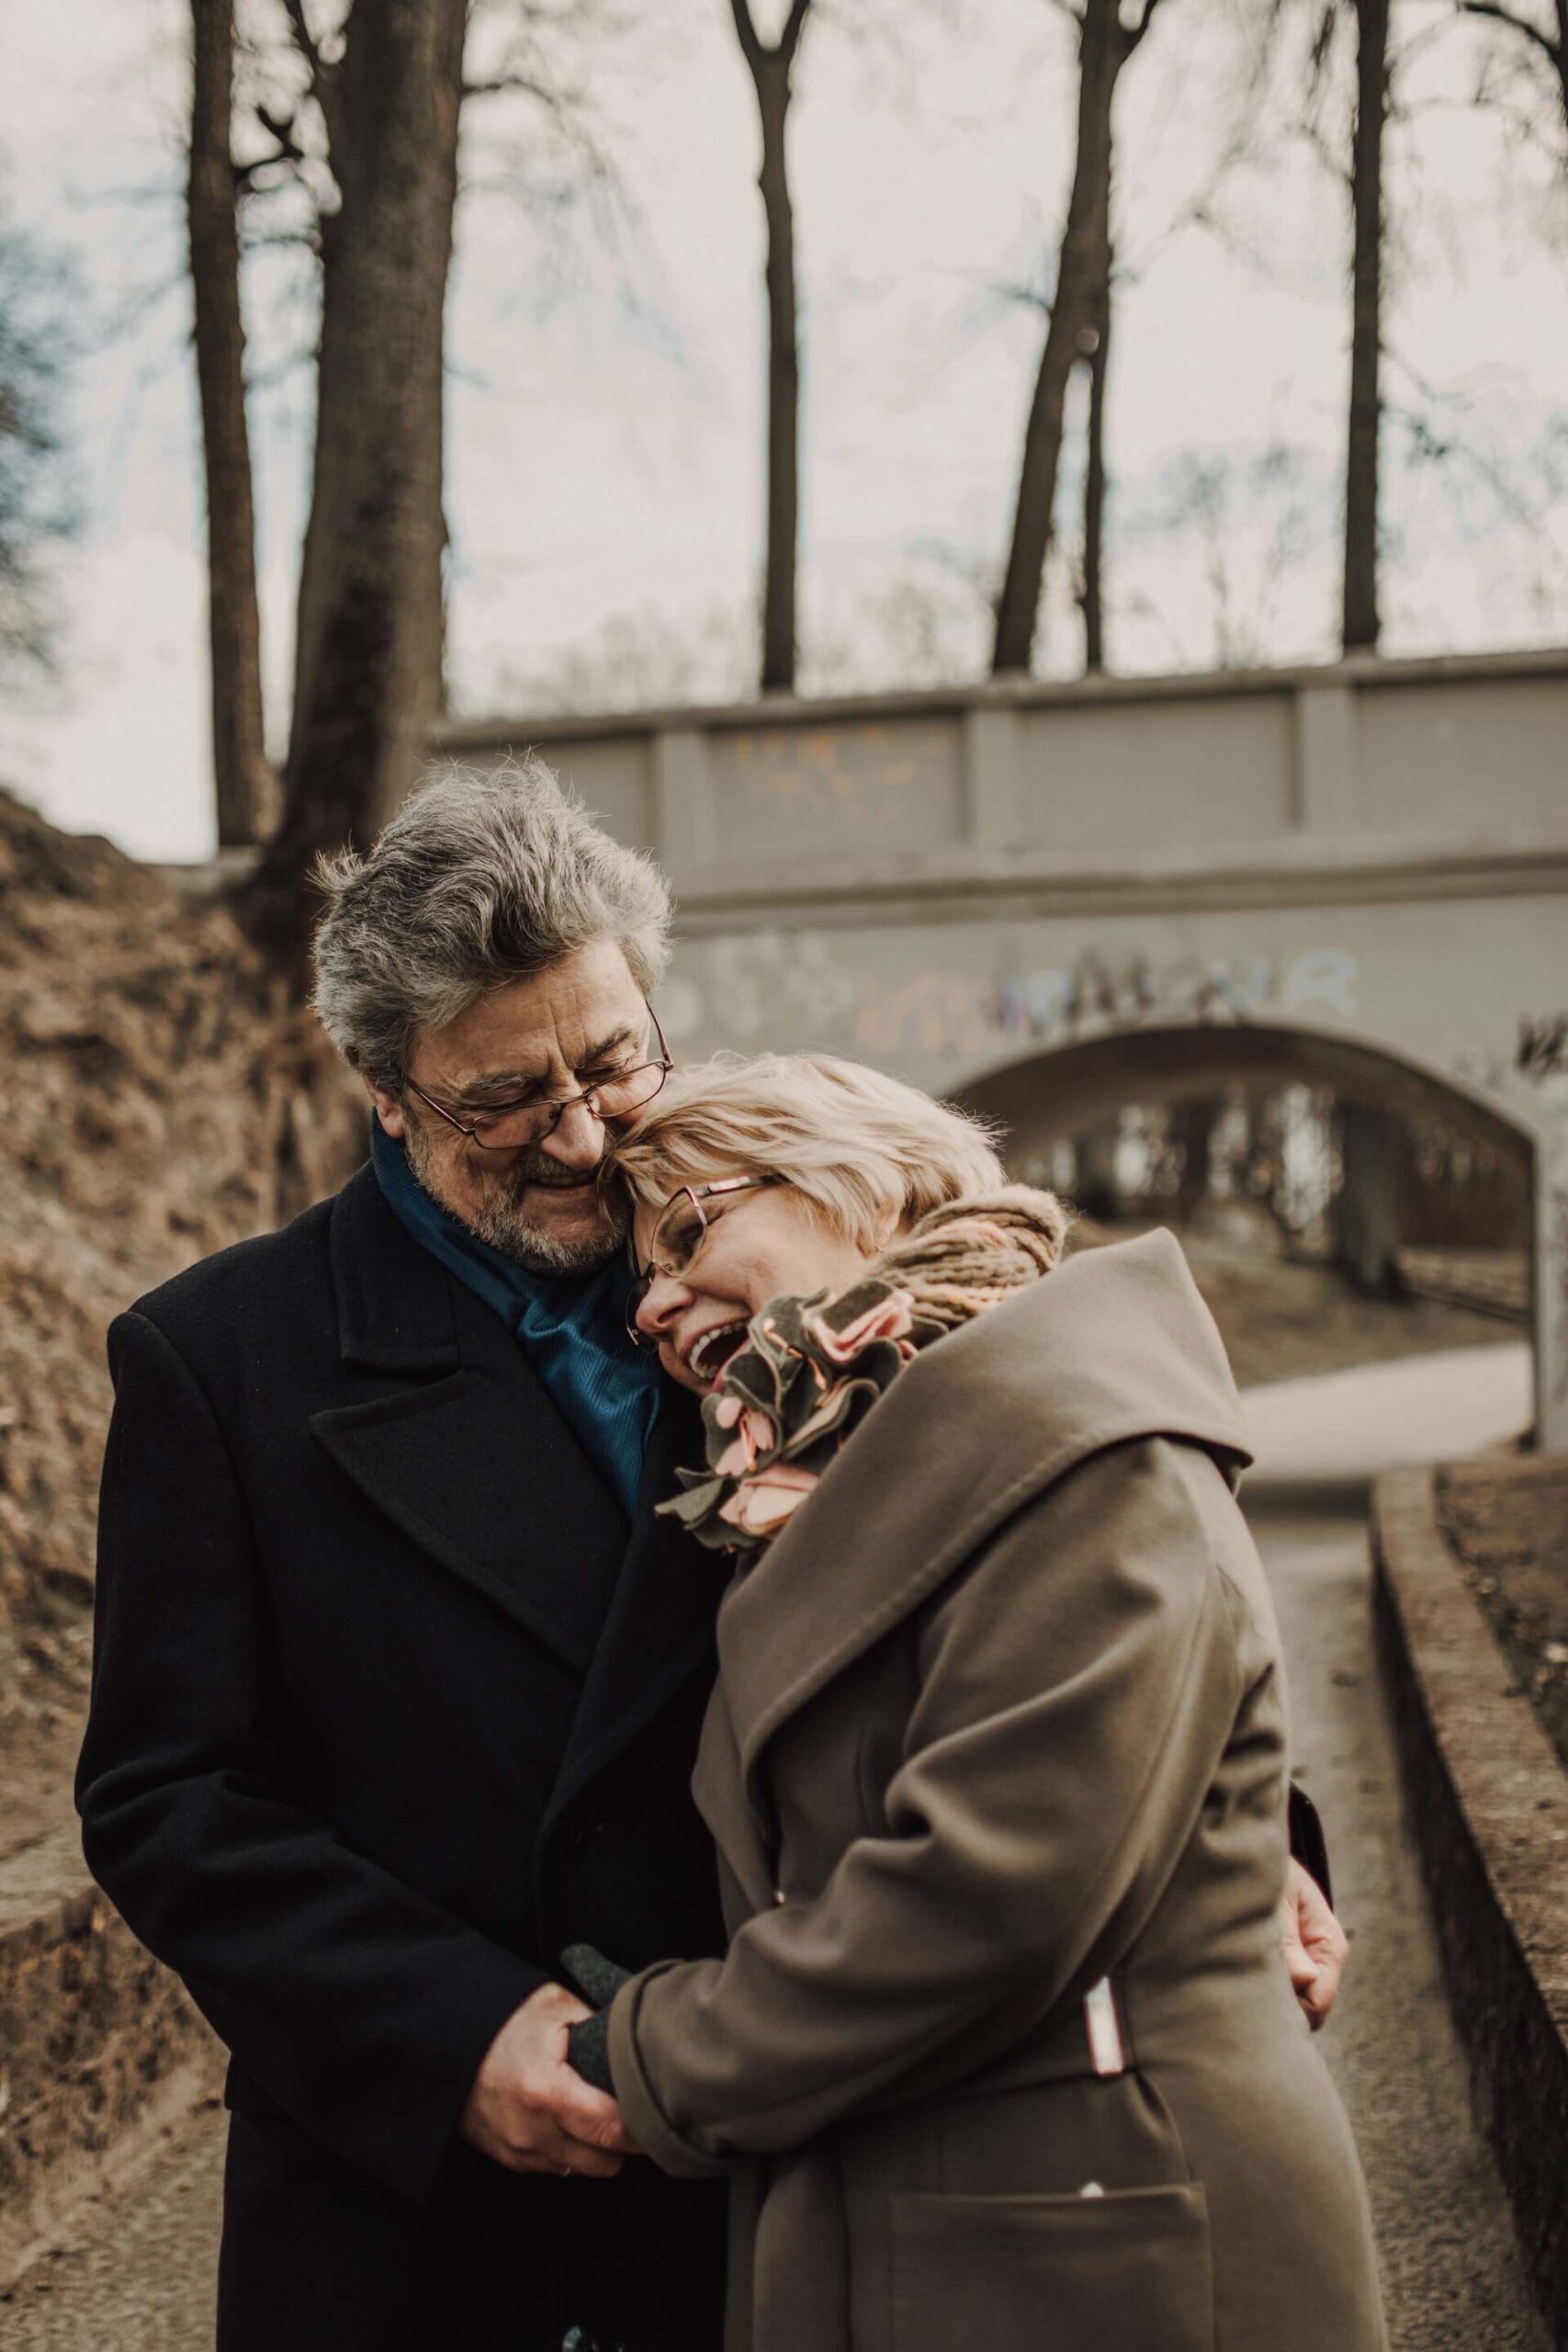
(530, 1028)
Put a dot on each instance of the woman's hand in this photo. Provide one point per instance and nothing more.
(1315, 1946)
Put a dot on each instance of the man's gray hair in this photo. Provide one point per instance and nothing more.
(484, 876)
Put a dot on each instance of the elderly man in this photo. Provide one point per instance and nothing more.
(398, 1677)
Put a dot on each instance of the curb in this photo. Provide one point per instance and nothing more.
(1489, 1805)
(101, 2049)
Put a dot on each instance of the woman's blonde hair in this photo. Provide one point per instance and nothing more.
(859, 1146)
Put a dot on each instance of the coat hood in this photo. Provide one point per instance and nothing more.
(1115, 1345)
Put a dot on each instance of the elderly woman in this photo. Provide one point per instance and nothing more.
(1003, 2053)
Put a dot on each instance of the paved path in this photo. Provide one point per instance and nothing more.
(138, 2275)
(1451, 2271)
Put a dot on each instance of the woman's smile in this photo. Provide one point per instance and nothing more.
(759, 1244)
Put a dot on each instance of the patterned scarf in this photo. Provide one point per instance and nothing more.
(811, 1369)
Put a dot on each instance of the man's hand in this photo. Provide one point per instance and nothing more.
(528, 2110)
(1315, 1947)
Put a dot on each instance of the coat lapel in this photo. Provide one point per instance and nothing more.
(1115, 1345)
(659, 1629)
(456, 1441)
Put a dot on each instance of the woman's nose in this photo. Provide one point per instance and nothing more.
(662, 1303)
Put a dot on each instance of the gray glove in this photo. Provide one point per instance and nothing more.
(588, 2045)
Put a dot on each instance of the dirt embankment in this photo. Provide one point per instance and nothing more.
(159, 1103)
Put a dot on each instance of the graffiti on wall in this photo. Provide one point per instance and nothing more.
(1542, 1051)
(791, 987)
(1055, 1004)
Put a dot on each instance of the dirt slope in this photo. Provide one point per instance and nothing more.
(157, 1105)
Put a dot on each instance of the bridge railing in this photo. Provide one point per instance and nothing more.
(1364, 761)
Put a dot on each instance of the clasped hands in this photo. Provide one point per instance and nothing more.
(531, 2111)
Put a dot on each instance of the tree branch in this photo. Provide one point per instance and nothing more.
(1135, 33)
(495, 85)
(1502, 15)
(794, 24)
(280, 128)
(304, 36)
(754, 48)
(324, 77)
(746, 33)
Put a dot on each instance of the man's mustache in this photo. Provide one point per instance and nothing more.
(534, 1168)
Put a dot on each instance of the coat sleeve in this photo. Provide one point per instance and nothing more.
(1077, 1686)
(360, 2007)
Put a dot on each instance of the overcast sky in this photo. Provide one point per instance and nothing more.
(605, 411)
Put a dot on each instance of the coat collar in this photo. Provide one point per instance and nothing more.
(456, 1441)
(1115, 1345)
(395, 1302)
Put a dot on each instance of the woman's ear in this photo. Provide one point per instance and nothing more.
(892, 1223)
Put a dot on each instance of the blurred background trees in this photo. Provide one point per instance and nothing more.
(338, 154)
(38, 501)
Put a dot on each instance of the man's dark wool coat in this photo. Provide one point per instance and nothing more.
(390, 1705)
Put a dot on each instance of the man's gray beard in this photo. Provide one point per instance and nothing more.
(500, 1222)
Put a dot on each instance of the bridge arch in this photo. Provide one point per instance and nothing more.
(1047, 1095)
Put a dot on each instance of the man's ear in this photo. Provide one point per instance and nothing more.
(388, 1109)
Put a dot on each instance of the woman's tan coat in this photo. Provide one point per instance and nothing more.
(1000, 1715)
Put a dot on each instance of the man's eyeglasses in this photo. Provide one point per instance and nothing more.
(678, 1235)
(615, 1094)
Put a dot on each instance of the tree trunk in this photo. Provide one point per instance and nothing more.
(242, 781)
(1366, 1207)
(1094, 488)
(1192, 1125)
(784, 385)
(1104, 47)
(367, 657)
(1361, 604)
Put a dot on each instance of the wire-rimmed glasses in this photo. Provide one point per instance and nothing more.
(677, 1233)
(510, 1126)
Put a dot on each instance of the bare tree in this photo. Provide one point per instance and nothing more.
(37, 504)
(1092, 593)
(1359, 625)
(1105, 44)
(771, 68)
(242, 777)
(1553, 45)
(369, 647)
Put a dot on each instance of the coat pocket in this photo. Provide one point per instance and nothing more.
(1128, 2271)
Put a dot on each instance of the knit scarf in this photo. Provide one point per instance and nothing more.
(811, 1369)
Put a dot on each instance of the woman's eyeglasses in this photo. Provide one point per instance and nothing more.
(678, 1235)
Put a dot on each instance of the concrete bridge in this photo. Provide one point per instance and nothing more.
(1048, 900)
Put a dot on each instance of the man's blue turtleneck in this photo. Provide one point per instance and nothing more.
(571, 1327)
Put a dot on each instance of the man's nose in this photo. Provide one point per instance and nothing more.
(661, 1304)
(577, 1139)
